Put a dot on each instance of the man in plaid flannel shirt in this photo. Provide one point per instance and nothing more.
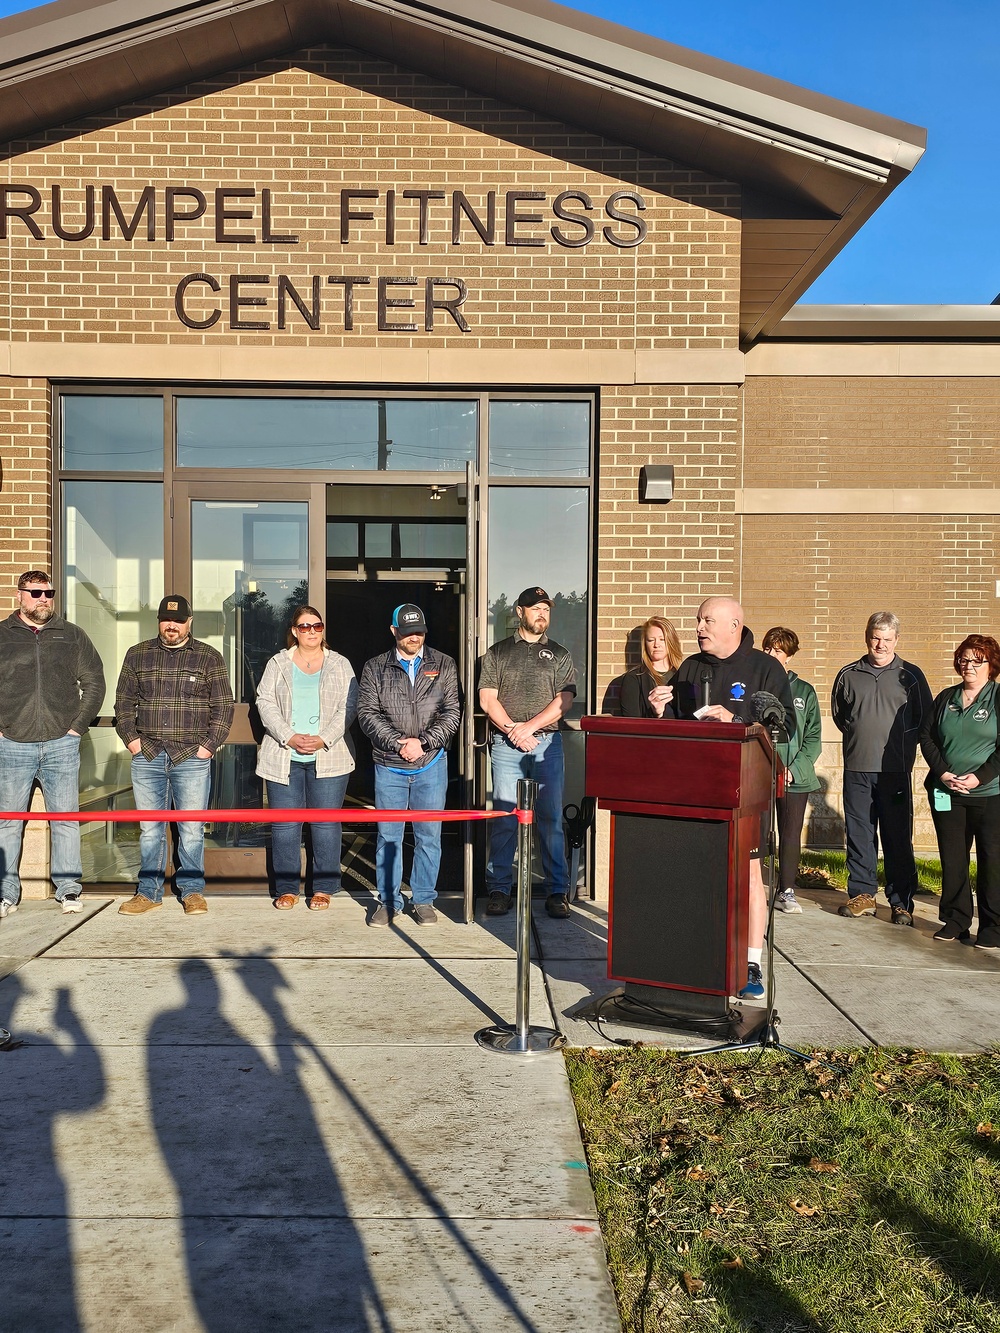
(173, 709)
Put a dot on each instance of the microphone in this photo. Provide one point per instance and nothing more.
(706, 688)
(768, 709)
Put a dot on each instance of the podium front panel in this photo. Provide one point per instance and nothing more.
(670, 901)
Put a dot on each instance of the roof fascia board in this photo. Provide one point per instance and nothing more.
(74, 33)
(627, 65)
(926, 323)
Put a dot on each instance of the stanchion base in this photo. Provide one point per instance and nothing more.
(508, 1041)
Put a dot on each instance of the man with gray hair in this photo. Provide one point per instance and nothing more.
(879, 704)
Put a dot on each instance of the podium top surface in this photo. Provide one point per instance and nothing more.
(718, 766)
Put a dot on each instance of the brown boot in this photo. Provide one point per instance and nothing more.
(194, 905)
(136, 905)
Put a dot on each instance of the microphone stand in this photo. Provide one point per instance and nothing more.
(764, 1034)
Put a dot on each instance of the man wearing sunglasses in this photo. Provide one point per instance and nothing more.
(51, 686)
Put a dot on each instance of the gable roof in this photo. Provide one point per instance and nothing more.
(813, 169)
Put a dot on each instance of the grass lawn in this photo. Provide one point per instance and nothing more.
(760, 1195)
(831, 867)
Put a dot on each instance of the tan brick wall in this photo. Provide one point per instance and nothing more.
(823, 574)
(322, 120)
(658, 559)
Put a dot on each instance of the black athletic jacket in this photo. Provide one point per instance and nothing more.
(734, 681)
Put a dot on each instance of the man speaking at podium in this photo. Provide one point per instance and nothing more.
(724, 682)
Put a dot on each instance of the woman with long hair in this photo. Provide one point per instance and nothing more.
(960, 740)
(646, 691)
(307, 700)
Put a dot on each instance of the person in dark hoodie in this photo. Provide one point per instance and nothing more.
(879, 705)
(51, 687)
(732, 671)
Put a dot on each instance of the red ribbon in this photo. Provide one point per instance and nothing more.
(318, 816)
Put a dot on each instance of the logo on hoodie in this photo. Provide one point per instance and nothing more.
(738, 689)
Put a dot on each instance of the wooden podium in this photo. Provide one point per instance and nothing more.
(686, 800)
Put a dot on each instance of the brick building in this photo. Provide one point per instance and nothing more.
(388, 301)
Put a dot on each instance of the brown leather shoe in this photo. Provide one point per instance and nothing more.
(319, 902)
(862, 904)
(136, 905)
(286, 901)
(194, 905)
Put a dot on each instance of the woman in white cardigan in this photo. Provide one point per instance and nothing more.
(307, 700)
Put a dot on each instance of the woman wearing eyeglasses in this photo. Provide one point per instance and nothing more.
(961, 744)
(307, 700)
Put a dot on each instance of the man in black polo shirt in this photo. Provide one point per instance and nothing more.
(528, 683)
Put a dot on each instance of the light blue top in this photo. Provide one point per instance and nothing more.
(305, 709)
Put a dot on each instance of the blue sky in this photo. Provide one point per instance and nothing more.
(933, 62)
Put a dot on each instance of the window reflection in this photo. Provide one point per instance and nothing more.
(539, 438)
(113, 564)
(539, 535)
(347, 434)
(112, 433)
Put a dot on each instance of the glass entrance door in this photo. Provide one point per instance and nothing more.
(386, 545)
(248, 560)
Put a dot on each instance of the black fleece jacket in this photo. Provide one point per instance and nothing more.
(733, 682)
(51, 682)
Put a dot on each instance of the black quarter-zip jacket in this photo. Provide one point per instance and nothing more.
(51, 682)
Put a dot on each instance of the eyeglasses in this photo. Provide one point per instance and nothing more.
(39, 592)
(315, 627)
(972, 661)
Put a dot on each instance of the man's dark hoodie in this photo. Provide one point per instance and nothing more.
(733, 681)
(51, 681)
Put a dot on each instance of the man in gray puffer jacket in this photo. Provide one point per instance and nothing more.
(409, 708)
(51, 687)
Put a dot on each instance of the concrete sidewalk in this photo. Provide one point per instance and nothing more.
(255, 1119)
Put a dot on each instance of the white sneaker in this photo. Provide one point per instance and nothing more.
(786, 902)
(6, 908)
(72, 903)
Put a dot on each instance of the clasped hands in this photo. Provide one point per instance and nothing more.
(522, 737)
(658, 697)
(960, 785)
(303, 744)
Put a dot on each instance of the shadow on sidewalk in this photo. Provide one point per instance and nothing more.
(267, 1231)
(263, 980)
(41, 1081)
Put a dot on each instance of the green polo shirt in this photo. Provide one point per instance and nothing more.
(968, 737)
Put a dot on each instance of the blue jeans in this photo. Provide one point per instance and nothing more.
(545, 765)
(160, 784)
(305, 791)
(424, 789)
(56, 767)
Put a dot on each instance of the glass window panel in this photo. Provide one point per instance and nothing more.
(249, 569)
(539, 535)
(113, 572)
(539, 438)
(429, 436)
(347, 434)
(342, 541)
(112, 433)
(439, 541)
(110, 852)
(378, 541)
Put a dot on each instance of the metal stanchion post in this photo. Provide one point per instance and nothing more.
(520, 1038)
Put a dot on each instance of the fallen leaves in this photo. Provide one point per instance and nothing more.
(692, 1285)
(803, 1209)
(821, 1167)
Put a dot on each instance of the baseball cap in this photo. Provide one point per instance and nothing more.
(174, 607)
(409, 619)
(532, 596)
